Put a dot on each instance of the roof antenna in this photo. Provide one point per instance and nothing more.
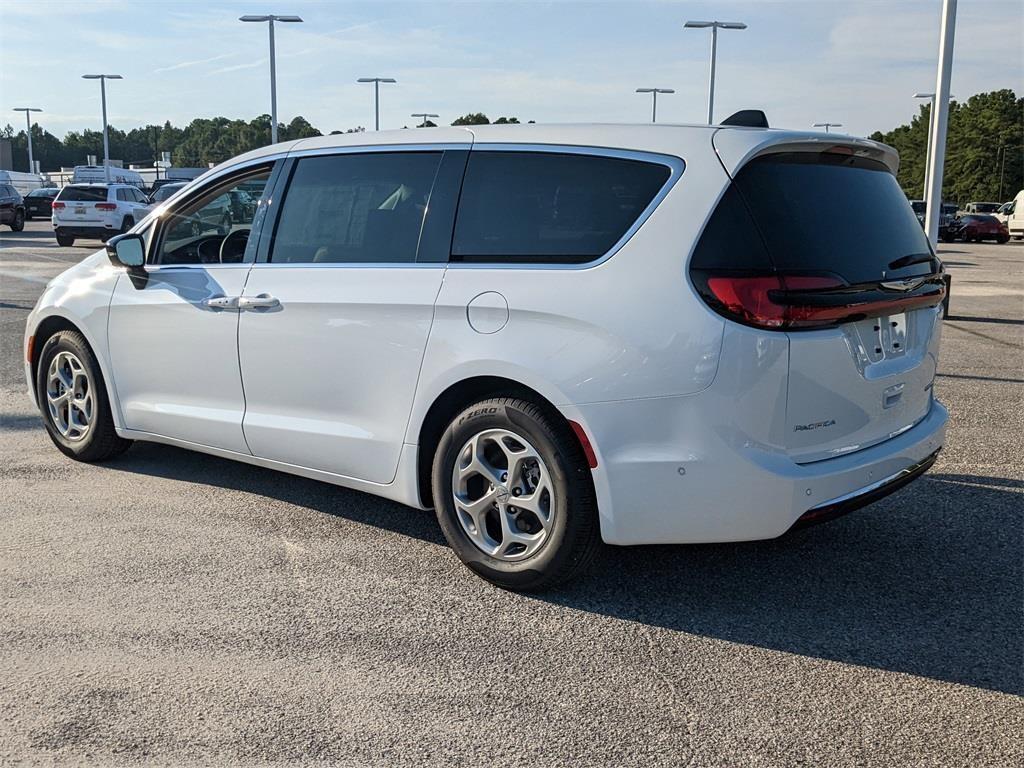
(747, 118)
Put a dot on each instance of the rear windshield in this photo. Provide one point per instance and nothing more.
(165, 192)
(986, 207)
(83, 194)
(834, 214)
(979, 219)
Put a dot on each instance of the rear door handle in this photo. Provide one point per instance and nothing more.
(262, 301)
(221, 302)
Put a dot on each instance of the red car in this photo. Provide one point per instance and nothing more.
(977, 227)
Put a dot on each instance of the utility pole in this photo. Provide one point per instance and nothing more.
(376, 95)
(103, 99)
(28, 132)
(714, 26)
(654, 92)
(936, 163)
(270, 19)
(826, 126)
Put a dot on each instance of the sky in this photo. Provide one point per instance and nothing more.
(855, 62)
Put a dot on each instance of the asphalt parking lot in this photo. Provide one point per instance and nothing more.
(180, 609)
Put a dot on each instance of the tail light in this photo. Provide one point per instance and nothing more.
(799, 302)
(106, 206)
(57, 205)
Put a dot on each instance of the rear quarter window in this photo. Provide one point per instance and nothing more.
(548, 207)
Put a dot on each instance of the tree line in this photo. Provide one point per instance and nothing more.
(201, 142)
(983, 149)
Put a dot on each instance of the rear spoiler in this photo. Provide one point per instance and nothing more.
(736, 146)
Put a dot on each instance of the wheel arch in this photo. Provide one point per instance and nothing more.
(54, 323)
(456, 397)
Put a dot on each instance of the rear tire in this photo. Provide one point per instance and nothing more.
(65, 240)
(545, 471)
(73, 400)
(1003, 239)
(19, 221)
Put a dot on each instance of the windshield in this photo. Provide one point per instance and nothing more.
(42, 193)
(986, 207)
(165, 192)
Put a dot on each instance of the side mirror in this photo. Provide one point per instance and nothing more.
(127, 250)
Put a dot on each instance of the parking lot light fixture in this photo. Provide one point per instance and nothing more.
(103, 100)
(826, 126)
(714, 26)
(28, 133)
(424, 116)
(654, 93)
(376, 95)
(270, 19)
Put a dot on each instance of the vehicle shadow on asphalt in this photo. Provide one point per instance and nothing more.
(926, 582)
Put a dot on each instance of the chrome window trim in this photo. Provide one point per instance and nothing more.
(676, 166)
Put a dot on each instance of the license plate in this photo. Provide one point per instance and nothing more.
(80, 211)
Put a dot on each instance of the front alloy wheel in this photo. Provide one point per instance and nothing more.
(69, 397)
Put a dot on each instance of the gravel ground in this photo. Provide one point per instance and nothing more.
(173, 608)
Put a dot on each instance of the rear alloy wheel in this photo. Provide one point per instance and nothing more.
(73, 400)
(514, 495)
(19, 221)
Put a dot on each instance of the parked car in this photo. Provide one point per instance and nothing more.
(96, 211)
(1003, 214)
(981, 207)
(164, 191)
(1015, 217)
(38, 203)
(976, 227)
(12, 208)
(552, 335)
(920, 207)
(947, 219)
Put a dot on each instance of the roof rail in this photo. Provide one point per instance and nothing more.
(748, 118)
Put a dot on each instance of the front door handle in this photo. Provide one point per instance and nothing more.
(262, 301)
(221, 302)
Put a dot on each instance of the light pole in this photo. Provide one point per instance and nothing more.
(28, 133)
(654, 93)
(928, 141)
(103, 99)
(270, 19)
(826, 126)
(715, 26)
(376, 95)
(425, 116)
(936, 163)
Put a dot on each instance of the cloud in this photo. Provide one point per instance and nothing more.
(196, 62)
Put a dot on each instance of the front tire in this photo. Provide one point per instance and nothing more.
(73, 400)
(514, 495)
(19, 222)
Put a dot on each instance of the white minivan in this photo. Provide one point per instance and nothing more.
(551, 335)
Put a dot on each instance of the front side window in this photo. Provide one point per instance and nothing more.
(355, 208)
(546, 207)
(214, 227)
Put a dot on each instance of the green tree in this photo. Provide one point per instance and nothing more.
(983, 145)
(473, 118)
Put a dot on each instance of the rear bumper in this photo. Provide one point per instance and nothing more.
(96, 230)
(671, 472)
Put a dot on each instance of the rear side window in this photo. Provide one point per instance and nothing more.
(546, 207)
(355, 208)
(834, 214)
(83, 194)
